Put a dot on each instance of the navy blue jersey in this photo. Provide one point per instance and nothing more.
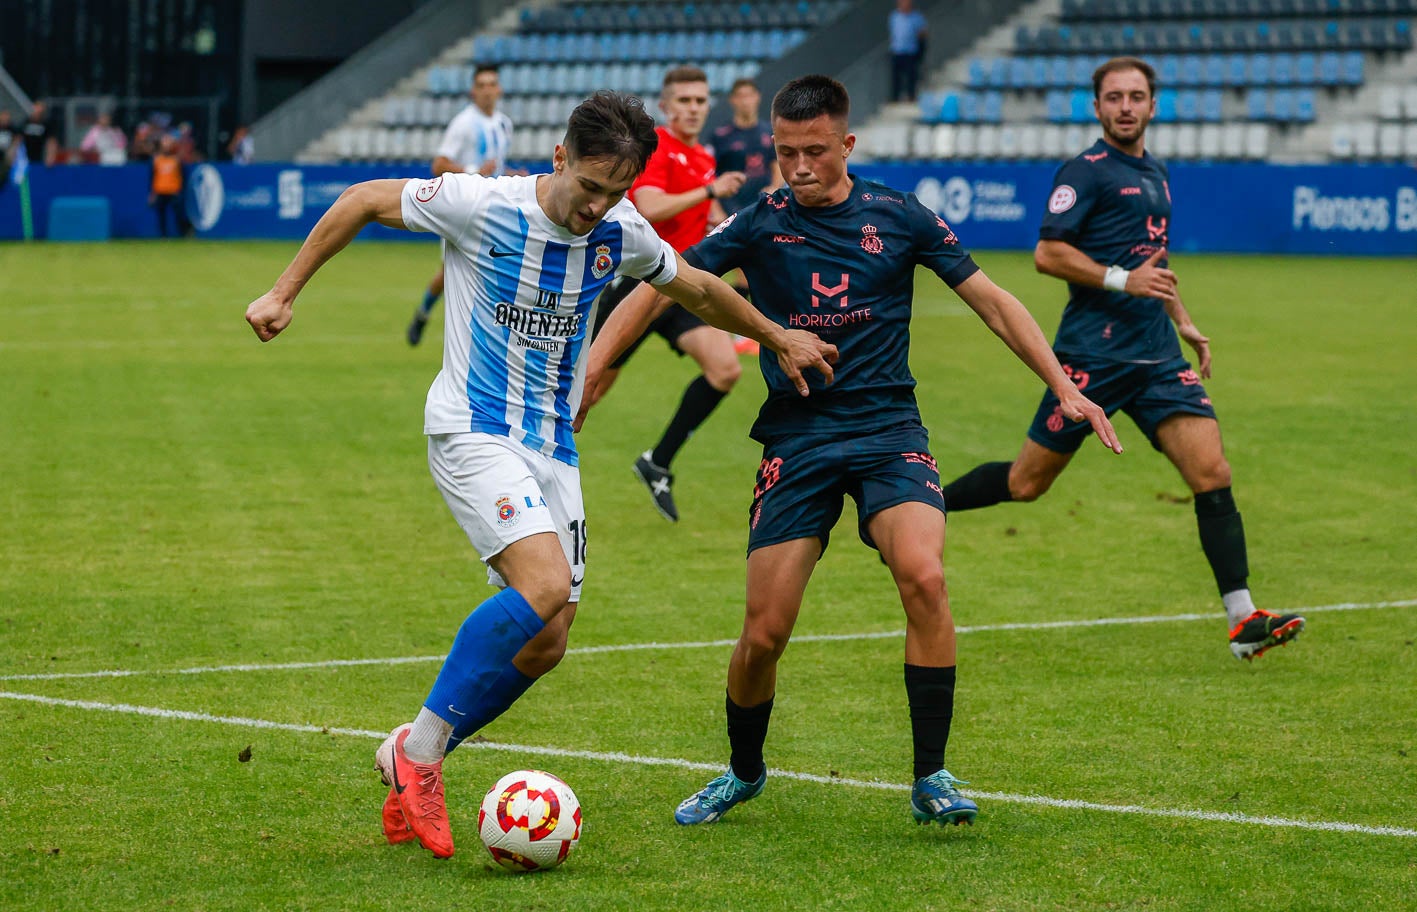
(1115, 208)
(746, 149)
(847, 273)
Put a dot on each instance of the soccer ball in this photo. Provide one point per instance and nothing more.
(529, 821)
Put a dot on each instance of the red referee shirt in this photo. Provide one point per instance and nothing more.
(677, 168)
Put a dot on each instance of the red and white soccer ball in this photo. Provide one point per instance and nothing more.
(530, 821)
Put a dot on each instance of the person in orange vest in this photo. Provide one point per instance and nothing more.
(165, 192)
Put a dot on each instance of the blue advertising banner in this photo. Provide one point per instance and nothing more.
(1237, 208)
(1231, 208)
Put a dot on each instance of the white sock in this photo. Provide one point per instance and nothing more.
(1238, 605)
(427, 738)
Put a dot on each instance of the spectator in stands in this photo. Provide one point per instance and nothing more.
(242, 147)
(144, 144)
(41, 145)
(8, 134)
(105, 142)
(187, 144)
(907, 28)
(166, 188)
(745, 145)
(477, 141)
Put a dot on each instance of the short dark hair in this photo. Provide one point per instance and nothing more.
(809, 97)
(1119, 64)
(686, 73)
(493, 68)
(612, 125)
(740, 82)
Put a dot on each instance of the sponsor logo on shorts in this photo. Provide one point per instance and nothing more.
(1055, 420)
(924, 459)
(1188, 377)
(428, 189)
(506, 512)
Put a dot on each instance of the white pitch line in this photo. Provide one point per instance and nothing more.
(698, 644)
(618, 757)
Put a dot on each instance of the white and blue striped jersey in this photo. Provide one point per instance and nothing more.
(521, 293)
(473, 138)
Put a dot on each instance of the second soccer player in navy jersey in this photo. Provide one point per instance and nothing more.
(526, 259)
(1105, 233)
(837, 254)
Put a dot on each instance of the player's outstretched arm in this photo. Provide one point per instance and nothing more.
(719, 305)
(1187, 330)
(372, 201)
(1011, 321)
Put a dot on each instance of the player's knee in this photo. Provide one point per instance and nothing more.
(548, 593)
(764, 640)
(1025, 488)
(722, 376)
(923, 586)
(1212, 477)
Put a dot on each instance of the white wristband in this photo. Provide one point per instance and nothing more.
(1115, 279)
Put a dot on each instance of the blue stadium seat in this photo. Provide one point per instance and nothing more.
(1080, 106)
(1191, 70)
(1257, 104)
(1018, 74)
(1306, 69)
(1186, 106)
(1038, 72)
(978, 73)
(1213, 71)
(998, 73)
(949, 108)
(1056, 105)
(929, 103)
(1168, 70)
(1058, 73)
(1304, 106)
(969, 107)
(992, 110)
(1352, 68)
(1282, 70)
(1212, 106)
(1282, 107)
(1258, 69)
(1080, 73)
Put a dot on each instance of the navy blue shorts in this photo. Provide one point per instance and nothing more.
(1148, 393)
(802, 480)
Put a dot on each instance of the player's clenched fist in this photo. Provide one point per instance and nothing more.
(268, 315)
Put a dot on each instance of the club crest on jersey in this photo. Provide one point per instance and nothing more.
(506, 511)
(602, 264)
(870, 240)
(1062, 199)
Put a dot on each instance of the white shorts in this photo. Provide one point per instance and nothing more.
(501, 492)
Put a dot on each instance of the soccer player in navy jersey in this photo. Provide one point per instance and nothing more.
(744, 144)
(526, 259)
(1105, 234)
(837, 254)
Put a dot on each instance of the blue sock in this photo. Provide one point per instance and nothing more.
(505, 691)
(430, 300)
(484, 647)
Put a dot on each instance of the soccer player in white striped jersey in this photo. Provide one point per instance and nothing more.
(526, 258)
(477, 141)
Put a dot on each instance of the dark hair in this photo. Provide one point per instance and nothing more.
(612, 125)
(1117, 65)
(740, 82)
(493, 68)
(809, 97)
(686, 73)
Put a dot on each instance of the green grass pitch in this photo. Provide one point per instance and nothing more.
(177, 496)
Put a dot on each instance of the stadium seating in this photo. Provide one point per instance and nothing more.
(561, 49)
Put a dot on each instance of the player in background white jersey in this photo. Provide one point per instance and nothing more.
(526, 258)
(477, 141)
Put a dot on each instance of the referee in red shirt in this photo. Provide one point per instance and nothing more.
(676, 193)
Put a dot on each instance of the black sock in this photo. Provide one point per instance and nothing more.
(700, 399)
(983, 486)
(931, 692)
(747, 730)
(1223, 539)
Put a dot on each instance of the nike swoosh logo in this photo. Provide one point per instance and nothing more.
(502, 253)
(398, 786)
(453, 709)
(576, 581)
